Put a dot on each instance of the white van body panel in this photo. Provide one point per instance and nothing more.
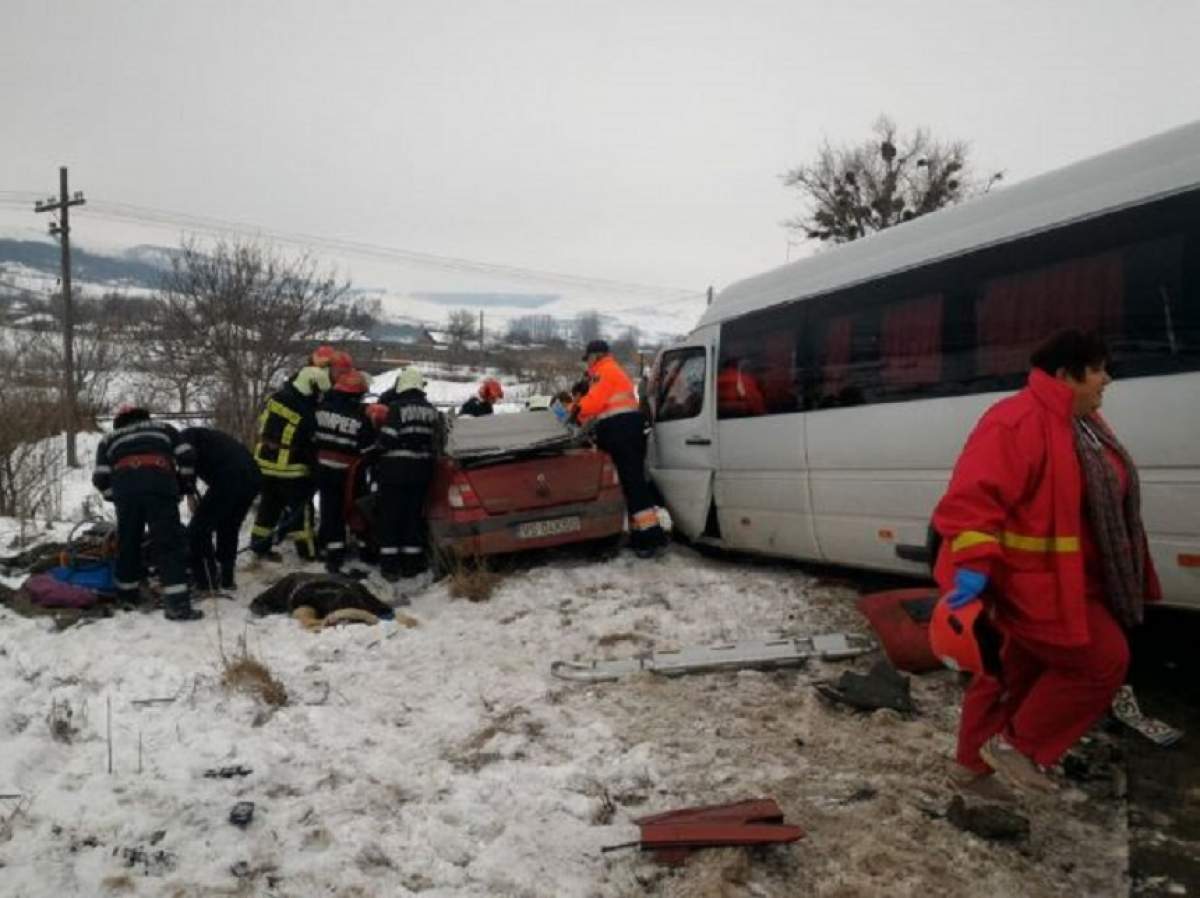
(761, 488)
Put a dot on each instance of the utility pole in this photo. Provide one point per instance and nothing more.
(481, 338)
(62, 230)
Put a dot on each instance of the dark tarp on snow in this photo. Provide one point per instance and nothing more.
(324, 593)
(506, 436)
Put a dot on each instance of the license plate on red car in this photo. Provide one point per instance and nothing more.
(553, 527)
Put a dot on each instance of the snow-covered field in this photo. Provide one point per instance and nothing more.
(445, 760)
(452, 385)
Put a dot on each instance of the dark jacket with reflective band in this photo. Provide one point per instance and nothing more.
(285, 434)
(475, 407)
(138, 435)
(221, 460)
(344, 432)
(409, 439)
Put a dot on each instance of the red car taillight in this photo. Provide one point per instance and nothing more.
(608, 475)
(460, 494)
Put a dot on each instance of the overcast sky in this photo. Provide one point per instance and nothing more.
(638, 141)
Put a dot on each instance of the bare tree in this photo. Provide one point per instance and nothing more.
(244, 308)
(518, 332)
(588, 328)
(32, 459)
(533, 329)
(169, 354)
(627, 343)
(461, 326)
(101, 330)
(851, 191)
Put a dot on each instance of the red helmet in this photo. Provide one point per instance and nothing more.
(322, 357)
(965, 639)
(125, 408)
(341, 361)
(378, 413)
(351, 381)
(490, 390)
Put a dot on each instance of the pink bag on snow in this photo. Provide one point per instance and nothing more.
(48, 592)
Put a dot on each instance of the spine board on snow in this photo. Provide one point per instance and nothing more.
(757, 654)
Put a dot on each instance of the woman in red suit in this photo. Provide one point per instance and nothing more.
(1042, 524)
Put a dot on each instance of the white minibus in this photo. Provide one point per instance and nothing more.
(817, 409)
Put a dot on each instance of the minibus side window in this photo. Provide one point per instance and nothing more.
(1161, 328)
(912, 346)
(1014, 313)
(680, 387)
(848, 359)
(760, 371)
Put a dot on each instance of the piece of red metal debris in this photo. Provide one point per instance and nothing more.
(673, 835)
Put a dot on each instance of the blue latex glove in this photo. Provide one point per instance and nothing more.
(559, 412)
(968, 584)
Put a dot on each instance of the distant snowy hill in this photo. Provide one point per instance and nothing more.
(132, 269)
(32, 266)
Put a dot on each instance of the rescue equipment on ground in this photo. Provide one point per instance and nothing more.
(674, 835)
(756, 654)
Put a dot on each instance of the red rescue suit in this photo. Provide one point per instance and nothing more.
(1015, 511)
(738, 394)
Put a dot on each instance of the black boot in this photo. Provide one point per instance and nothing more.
(129, 598)
(333, 561)
(182, 611)
(227, 581)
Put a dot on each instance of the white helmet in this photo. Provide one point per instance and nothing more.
(311, 378)
(409, 379)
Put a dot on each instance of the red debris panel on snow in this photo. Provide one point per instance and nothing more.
(900, 618)
(673, 835)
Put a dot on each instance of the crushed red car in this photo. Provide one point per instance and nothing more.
(519, 481)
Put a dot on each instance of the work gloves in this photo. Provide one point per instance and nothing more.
(968, 585)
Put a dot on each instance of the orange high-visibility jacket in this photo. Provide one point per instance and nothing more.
(611, 392)
(1014, 510)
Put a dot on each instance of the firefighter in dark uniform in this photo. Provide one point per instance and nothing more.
(610, 402)
(407, 446)
(344, 433)
(285, 457)
(483, 401)
(139, 467)
(231, 479)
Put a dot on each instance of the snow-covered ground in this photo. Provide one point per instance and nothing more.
(445, 760)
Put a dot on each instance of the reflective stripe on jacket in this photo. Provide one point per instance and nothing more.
(611, 391)
(285, 431)
(1014, 510)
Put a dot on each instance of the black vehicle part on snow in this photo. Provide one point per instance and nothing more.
(882, 687)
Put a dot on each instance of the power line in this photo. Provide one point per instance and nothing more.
(161, 217)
